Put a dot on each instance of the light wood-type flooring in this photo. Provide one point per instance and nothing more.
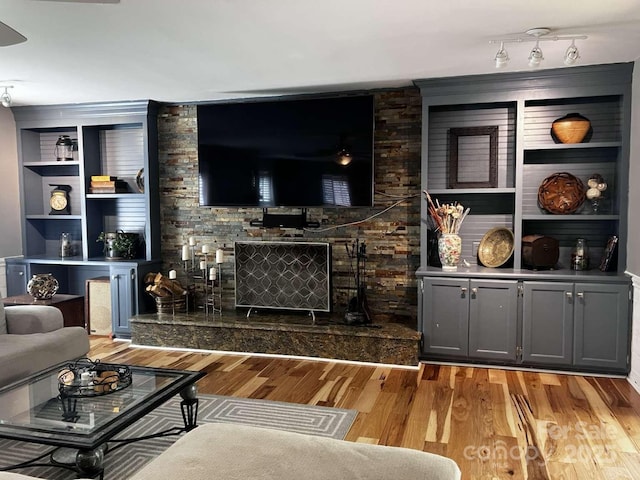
(494, 423)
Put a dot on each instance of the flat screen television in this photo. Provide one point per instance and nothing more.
(305, 152)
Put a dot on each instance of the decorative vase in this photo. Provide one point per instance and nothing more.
(449, 247)
(42, 286)
(572, 128)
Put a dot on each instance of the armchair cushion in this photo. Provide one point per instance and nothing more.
(25, 319)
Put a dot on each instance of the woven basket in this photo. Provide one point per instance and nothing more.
(572, 128)
(561, 193)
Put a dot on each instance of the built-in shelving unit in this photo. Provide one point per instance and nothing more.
(114, 139)
(523, 107)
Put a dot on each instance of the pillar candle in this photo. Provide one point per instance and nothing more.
(172, 274)
(203, 265)
(185, 252)
(205, 248)
(212, 273)
(219, 256)
(192, 241)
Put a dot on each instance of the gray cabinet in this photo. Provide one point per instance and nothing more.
(547, 323)
(123, 285)
(493, 316)
(445, 318)
(127, 294)
(16, 279)
(601, 326)
(469, 318)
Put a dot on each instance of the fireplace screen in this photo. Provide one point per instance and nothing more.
(284, 275)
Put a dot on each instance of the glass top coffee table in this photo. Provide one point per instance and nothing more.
(32, 410)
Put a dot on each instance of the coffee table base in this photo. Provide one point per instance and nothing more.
(86, 462)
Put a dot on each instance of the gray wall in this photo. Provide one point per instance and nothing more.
(10, 237)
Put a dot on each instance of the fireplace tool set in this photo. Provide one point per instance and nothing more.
(357, 309)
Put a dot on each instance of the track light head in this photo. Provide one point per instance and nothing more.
(535, 57)
(502, 57)
(572, 54)
(5, 98)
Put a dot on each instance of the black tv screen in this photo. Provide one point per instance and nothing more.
(287, 153)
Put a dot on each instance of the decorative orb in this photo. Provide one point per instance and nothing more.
(593, 193)
(42, 286)
(90, 461)
(190, 392)
(601, 187)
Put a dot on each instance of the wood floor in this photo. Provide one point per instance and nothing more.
(493, 423)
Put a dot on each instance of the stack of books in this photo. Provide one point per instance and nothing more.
(108, 184)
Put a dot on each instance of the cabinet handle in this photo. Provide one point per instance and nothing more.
(474, 291)
(20, 274)
(580, 295)
(463, 290)
(569, 295)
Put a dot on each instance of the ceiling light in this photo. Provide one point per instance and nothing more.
(572, 55)
(5, 97)
(535, 55)
(344, 157)
(502, 57)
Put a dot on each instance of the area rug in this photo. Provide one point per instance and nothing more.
(123, 462)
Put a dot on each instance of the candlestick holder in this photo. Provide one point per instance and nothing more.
(215, 299)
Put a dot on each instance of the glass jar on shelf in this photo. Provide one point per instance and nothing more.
(580, 255)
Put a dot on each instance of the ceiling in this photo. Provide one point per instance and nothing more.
(204, 50)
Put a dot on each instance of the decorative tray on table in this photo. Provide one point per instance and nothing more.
(88, 378)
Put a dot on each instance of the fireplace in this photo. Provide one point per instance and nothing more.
(283, 275)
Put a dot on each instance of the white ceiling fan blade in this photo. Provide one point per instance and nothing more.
(8, 36)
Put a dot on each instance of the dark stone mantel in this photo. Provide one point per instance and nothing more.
(276, 333)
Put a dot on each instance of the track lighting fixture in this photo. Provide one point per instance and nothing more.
(572, 55)
(5, 98)
(538, 35)
(535, 56)
(502, 57)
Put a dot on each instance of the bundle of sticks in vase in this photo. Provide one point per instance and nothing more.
(170, 295)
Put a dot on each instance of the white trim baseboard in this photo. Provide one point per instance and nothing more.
(634, 374)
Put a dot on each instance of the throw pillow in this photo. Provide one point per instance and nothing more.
(3, 320)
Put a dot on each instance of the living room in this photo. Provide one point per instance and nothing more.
(393, 237)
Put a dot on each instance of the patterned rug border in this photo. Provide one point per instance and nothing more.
(124, 462)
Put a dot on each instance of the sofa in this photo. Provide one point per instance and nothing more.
(33, 337)
(239, 452)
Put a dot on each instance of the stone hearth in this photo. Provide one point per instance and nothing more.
(279, 333)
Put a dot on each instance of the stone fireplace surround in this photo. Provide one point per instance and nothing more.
(392, 239)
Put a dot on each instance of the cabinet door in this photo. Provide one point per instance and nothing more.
(602, 326)
(16, 279)
(547, 323)
(123, 285)
(445, 322)
(493, 319)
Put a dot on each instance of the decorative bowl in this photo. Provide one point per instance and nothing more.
(496, 247)
(561, 193)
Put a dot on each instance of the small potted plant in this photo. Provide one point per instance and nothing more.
(120, 245)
